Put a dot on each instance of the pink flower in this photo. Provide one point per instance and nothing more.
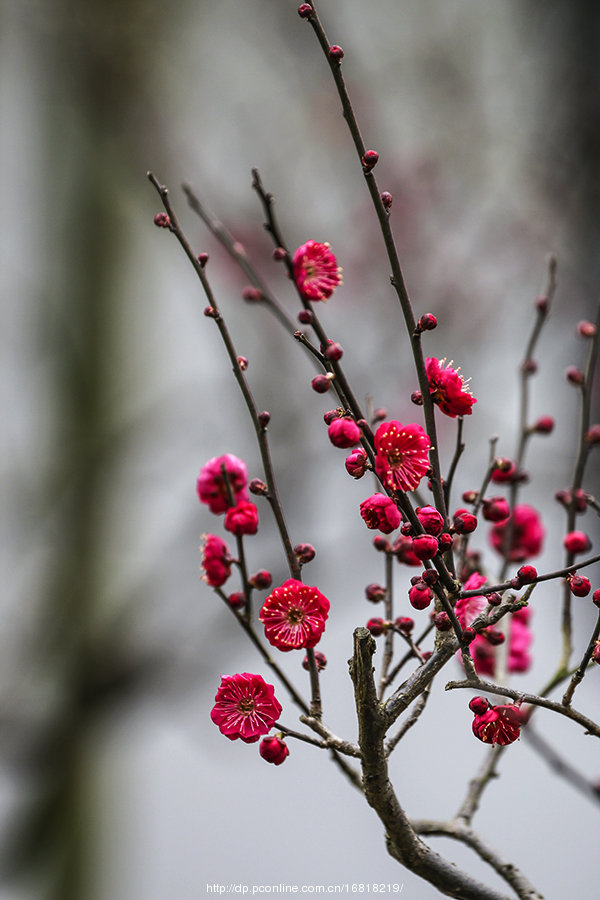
(344, 432)
(316, 271)
(216, 560)
(294, 615)
(211, 488)
(401, 460)
(245, 708)
(380, 512)
(468, 608)
(519, 641)
(527, 535)
(447, 388)
(274, 750)
(498, 724)
(242, 518)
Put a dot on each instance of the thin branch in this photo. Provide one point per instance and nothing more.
(533, 699)
(460, 832)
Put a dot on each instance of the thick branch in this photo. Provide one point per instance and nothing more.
(401, 839)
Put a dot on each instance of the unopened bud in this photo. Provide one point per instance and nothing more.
(586, 329)
(264, 418)
(575, 376)
(161, 220)
(321, 383)
(261, 580)
(203, 259)
(335, 53)
(304, 553)
(257, 486)
(386, 199)
(251, 294)
(305, 10)
(305, 316)
(375, 593)
(370, 159)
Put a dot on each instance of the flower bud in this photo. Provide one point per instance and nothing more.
(330, 415)
(370, 159)
(304, 553)
(381, 544)
(357, 463)
(586, 329)
(596, 597)
(494, 636)
(334, 352)
(203, 259)
(444, 542)
(386, 199)
(577, 499)
(210, 312)
(258, 487)
(264, 418)
(479, 705)
(335, 53)
(375, 592)
(305, 316)
(305, 10)
(527, 574)
(576, 542)
(427, 322)
(425, 546)
(579, 585)
(431, 520)
(273, 750)
(442, 621)
(544, 425)
(417, 398)
(251, 294)
(376, 626)
(495, 509)
(404, 624)
(242, 363)
(504, 470)
(321, 383)
(464, 522)
(470, 497)
(242, 518)
(596, 652)
(575, 376)
(494, 599)
(420, 596)
(236, 600)
(161, 220)
(529, 366)
(379, 415)
(279, 254)
(320, 661)
(344, 432)
(261, 580)
(430, 577)
(541, 304)
(592, 435)
(469, 634)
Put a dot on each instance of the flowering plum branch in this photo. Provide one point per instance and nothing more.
(466, 604)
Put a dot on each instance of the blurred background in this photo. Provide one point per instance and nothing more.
(114, 784)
